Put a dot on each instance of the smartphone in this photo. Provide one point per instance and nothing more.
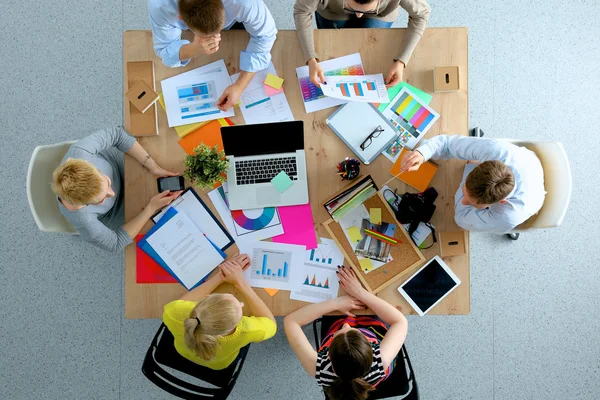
(171, 183)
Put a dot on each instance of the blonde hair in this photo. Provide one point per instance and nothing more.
(77, 182)
(212, 318)
(490, 182)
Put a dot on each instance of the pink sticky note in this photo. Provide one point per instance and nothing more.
(298, 226)
(272, 91)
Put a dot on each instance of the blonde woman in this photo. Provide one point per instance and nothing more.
(209, 328)
(89, 188)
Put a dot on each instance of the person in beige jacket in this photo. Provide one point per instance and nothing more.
(337, 14)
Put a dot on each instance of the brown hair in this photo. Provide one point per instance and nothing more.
(351, 357)
(490, 182)
(212, 318)
(204, 16)
(77, 182)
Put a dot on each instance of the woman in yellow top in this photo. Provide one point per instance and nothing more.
(209, 328)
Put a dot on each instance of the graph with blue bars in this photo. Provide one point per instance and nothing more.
(318, 257)
(197, 99)
(271, 265)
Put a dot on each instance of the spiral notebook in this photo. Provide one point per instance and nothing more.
(354, 122)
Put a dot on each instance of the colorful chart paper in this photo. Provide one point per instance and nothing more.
(367, 88)
(410, 116)
(313, 97)
(244, 225)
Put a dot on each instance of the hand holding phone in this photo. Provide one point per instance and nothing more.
(172, 183)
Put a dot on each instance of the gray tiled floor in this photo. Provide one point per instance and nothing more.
(532, 332)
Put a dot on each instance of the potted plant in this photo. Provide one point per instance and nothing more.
(206, 167)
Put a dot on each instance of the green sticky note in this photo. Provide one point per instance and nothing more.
(366, 264)
(375, 216)
(282, 182)
(393, 91)
(354, 234)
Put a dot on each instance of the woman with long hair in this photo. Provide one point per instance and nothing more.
(357, 353)
(210, 328)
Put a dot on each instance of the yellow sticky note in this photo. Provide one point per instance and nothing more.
(271, 292)
(354, 234)
(366, 264)
(274, 81)
(375, 216)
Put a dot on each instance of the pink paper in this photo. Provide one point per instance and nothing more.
(272, 91)
(298, 226)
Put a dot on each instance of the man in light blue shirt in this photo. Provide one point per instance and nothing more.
(206, 18)
(502, 186)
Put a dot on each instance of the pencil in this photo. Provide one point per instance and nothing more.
(381, 236)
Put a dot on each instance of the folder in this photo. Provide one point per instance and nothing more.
(419, 179)
(147, 270)
(209, 134)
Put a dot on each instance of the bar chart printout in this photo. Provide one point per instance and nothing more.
(271, 265)
(367, 88)
(274, 265)
(319, 281)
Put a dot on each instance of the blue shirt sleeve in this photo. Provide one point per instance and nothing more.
(445, 147)
(167, 39)
(259, 23)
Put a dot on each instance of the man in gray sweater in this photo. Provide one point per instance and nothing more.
(89, 188)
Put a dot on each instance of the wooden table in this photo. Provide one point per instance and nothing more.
(438, 47)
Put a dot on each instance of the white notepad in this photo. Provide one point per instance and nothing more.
(354, 122)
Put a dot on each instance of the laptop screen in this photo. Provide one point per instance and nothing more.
(251, 140)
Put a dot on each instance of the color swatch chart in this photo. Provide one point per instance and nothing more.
(195, 99)
(314, 282)
(271, 265)
(412, 115)
(310, 92)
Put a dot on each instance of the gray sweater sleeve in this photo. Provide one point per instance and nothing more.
(106, 138)
(94, 231)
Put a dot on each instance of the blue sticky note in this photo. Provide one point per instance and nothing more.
(282, 182)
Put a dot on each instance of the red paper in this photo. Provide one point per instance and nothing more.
(298, 226)
(147, 270)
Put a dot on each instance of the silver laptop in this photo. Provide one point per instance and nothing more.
(257, 153)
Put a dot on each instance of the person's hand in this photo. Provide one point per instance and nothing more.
(395, 74)
(345, 304)
(242, 259)
(207, 44)
(160, 172)
(162, 199)
(233, 272)
(230, 97)
(349, 282)
(411, 161)
(315, 73)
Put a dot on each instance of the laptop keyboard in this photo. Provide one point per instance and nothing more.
(262, 171)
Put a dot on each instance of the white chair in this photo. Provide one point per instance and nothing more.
(42, 200)
(558, 183)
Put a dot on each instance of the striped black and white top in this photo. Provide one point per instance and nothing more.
(325, 375)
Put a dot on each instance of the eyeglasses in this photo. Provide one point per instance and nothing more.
(369, 138)
(349, 10)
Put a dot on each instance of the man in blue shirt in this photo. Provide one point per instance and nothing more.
(206, 19)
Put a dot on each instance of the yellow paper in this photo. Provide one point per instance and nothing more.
(274, 81)
(366, 264)
(375, 216)
(272, 292)
(354, 234)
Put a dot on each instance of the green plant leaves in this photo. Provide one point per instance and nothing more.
(207, 166)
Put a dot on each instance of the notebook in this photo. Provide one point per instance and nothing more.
(419, 179)
(209, 134)
(354, 122)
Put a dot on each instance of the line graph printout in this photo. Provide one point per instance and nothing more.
(368, 88)
(312, 96)
(319, 281)
(192, 96)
